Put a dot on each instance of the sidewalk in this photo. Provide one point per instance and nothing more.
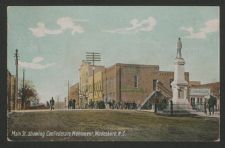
(215, 115)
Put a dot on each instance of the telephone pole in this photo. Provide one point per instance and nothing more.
(16, 85)
(93, 57)
(68, 91)
(23, 91)
(58, 101)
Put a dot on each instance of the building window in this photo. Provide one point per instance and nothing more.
(136, 81)
(154, 84)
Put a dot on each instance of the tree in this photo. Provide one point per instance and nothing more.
(28, 93)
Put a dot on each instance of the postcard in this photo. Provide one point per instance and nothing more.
(113, 73)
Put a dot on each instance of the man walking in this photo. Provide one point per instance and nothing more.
(205, 107)
(211, 103)
(74, 103)
(52, 102)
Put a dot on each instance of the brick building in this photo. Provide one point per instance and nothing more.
(10, 91)
(133, 83)
(130, 83)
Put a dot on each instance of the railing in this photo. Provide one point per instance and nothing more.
(163, 89)
(147, 98)
(159, 88)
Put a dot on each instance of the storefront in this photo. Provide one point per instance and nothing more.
(199, 96)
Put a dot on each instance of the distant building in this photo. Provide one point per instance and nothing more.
(74, 93)
(98, 86)
(198, 96)
(204, 90)
(86, 71)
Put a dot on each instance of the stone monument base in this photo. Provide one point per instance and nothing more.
(181, 107)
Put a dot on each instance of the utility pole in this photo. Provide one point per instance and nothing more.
(106, 94)
(65, 103)
(68, 91)
(93, 57)
(58, 101)
(80, 95)
(16, 85)
(23, 91)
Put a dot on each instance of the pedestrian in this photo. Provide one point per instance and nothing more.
(211, 103)
(171, 107)
(69, 104)
(214, 104)
(205, 107)
(74, 103)
(52, 103)
(48, 106)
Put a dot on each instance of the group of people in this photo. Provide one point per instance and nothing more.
(71, 104)
(51, 104)
(121, 105)
(210, 105)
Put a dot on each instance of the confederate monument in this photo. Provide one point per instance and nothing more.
(179, 85)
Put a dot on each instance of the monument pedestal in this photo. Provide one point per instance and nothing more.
(180, 85)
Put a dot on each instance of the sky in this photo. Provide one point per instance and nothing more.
(52, 41)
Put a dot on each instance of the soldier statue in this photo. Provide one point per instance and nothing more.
(179, 46)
